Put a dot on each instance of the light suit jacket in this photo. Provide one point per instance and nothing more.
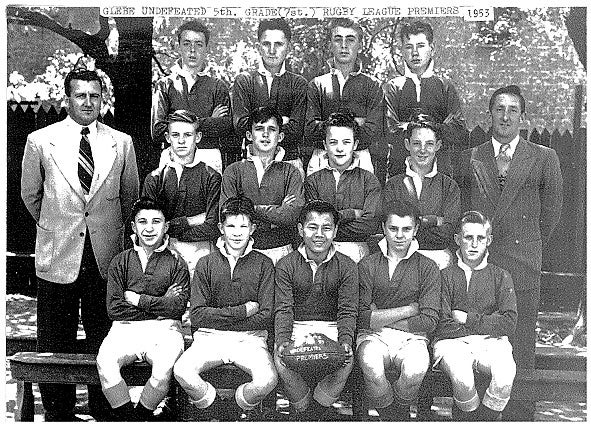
(526, 211)
(51, 191)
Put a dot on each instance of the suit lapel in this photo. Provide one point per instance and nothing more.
(519, 169)
(104, 159)
(485, 168)
(62, 156)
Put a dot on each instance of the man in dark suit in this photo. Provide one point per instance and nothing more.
(519, 185)
(79, 181)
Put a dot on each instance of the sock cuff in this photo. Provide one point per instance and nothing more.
(468, 405)
(383, 400)
(323, 398)
(207, 399)
(302, 404)
(494, 402)
(241, 401)
(117, 395)
(152, 396)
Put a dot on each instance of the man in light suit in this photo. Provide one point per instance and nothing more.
(79, 180)
(519, 185)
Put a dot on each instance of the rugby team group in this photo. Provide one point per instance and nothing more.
(281, 246)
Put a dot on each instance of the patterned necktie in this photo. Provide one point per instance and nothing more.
(85, 162)
(503, 162)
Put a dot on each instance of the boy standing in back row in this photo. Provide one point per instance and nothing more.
(272, 85)
(190, 87)
(344, 88)
(420, 91)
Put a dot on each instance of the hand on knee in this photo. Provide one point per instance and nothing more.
(243, 402)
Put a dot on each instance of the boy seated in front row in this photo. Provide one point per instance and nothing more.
(399, 301)
(147, 293)
(478, 314)
(436, 195)
(274, 186)
(316, 291)
(188, 188)
(231, 310)
(354, 191)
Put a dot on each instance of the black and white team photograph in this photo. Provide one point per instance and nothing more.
(242, 212)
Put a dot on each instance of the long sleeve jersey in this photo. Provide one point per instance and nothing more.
(415, 279)
(163, 270)
(219, 292)
(287, 96)
(440, 197)
(173, 92)
(330, 294)
(196, 192)
(405, 95)
(489, 300)
(361, 95)
(356, 189)
(276, 223)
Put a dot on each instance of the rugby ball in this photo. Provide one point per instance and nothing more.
(315, 354)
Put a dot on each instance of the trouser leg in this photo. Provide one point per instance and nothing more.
(524, 346)
(93, 292)
(57, 324)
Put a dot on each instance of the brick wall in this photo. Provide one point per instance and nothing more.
(546, 71)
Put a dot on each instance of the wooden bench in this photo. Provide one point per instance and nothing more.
(60, 368)
(28, 367)
(529, 385)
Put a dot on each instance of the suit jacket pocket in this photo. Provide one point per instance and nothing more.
(43, 249)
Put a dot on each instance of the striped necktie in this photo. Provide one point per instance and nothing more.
(85, 162)
(503, 162)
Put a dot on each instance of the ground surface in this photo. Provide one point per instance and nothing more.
(553, 327)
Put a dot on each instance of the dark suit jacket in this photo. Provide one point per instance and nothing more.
(524, 214)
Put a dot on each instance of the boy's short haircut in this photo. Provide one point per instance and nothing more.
(419, 120)
(145, 203)
(342, 118)
(512, 89)
(414, 28)
(401, 209)
(182, 115)
(237, 205)
(475, 217)
(263, 114)
(320, 207)
(83, 75)
(345, 23)
(195, 26)
(274, 24)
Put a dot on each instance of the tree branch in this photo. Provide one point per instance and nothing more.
(155, 58)
(92, 45)
(394, 25)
